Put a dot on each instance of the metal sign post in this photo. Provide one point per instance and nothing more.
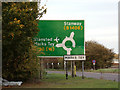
(66, 71)
(82, 69)
(94, 65)
(94, 61)
(47, 66)
(64, 65)
(72, 68)
(119, 29)
(75, 69)
(40, 68)
(52, 65)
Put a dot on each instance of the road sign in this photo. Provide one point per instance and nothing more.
(74, 57)
(119, 26)
(93, 61)
(60, 37)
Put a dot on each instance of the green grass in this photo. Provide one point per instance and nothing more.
(59, 81)
(54, 70)
(109, 70)
(104, 70)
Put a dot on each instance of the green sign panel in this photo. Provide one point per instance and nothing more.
(60, 37)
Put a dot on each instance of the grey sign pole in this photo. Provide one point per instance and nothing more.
(64, 62)
(72, 69)
(1, 44)
(82, 69)
(66, 70)
(40, 68)
(94, 67)
(119, 30)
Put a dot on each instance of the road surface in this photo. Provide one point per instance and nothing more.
(106, 76)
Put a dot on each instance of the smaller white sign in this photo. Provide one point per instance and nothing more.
(93, 63)
(74, 57)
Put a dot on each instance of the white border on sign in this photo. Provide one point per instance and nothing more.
(63, 56)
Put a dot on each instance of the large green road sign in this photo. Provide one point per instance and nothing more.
(60, 37)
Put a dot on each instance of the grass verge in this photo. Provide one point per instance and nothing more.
(59, 81)
(105, 70)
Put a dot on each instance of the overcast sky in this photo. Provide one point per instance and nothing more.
(101, 18)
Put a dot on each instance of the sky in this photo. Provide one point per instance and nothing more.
(100, 16)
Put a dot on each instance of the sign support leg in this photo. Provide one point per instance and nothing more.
(64, 64)
(82, 69)
(40, 69)
(48, 65)
(94, 67)
(72, 68)
(66, 71)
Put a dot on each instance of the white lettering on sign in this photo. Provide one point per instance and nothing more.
(43, 39)
(46, 41)
(72, 23)
(74, 57)
(40, 44)
(50, 44)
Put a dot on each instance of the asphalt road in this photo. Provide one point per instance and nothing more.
(106, 76)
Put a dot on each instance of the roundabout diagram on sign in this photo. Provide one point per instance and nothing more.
(65, 40)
